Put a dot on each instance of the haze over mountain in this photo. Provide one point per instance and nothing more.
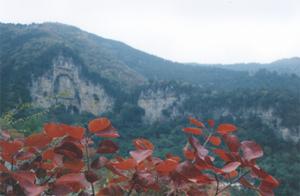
(28, 52)
(71, 75)
(282, 66)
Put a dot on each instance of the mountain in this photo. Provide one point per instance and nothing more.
(52, 63)
(282, 66)
(28, 51)
(69, 75)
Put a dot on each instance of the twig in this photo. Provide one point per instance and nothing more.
(48, 179)
(88, 161)
(217, 179)
(131, 189)
(207, 139)
(132, 185)
(232, 182)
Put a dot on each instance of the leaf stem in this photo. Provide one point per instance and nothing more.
(217, 179)
(88, 161)
(232, 182)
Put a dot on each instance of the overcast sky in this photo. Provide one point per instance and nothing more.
(204, 31)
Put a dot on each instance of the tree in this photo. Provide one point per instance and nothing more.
(64, 159)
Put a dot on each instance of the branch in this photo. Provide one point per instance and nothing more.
(232, 182)
(207, 139)
(217, 179)
(88, 161)
(48, 179)
(130, 190)
(132, 185)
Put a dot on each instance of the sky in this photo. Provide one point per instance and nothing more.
(203, 31)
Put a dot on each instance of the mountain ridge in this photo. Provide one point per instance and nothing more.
(29, 51)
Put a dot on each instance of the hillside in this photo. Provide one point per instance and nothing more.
(283, 66)
(28, 51)
(53, 63)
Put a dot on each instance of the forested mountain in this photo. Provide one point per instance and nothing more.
(283, 66)
(69, 75)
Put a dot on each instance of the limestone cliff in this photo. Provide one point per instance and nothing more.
(159, 102)
(268, 117)
(63, 84)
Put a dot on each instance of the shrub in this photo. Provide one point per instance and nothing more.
(64, 159)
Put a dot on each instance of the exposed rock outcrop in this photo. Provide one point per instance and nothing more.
(64, 84)
(159, 101)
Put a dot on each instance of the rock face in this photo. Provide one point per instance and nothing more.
(288, 134)
(63, 84)
(157, 103)
(267, 116)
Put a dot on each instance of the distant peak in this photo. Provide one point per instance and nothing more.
(291, 60)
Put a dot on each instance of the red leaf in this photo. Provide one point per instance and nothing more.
(118, 180)
(271, 181)
(265, 189)
(196, 122)
(54, 130)
(192, 130)
(246, 183)
(114, 190)
(91, 176)
(23, 176)
(171, 156)
(76, 181)
(10, 147)
(192, 173)
(69, 150)
(75, 132)
(8, 158)
(143, 144)
(74, 165)
(231, 167)
(48, 154)
(126, 164)
(145, 179)
(226, 128)
(167, 166)
(251, 150)
(232, 142)
(99, 124)
(201, 151)
(99, 162)
(140, 155)
(223, 155)
(27, 182)
(33, 189)
(188, 153)
(188, 170)
(111, 133)
(215, 140)
(48, 166)
(114, 170)
(38, 140)
(258, 172)
(211, 123)
(3, 168)
(61, 189)
(233, 174)
(23, 155)
(107, 146)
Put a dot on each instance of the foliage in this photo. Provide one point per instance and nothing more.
(65, 159)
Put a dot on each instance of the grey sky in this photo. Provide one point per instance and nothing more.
(204, 31)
